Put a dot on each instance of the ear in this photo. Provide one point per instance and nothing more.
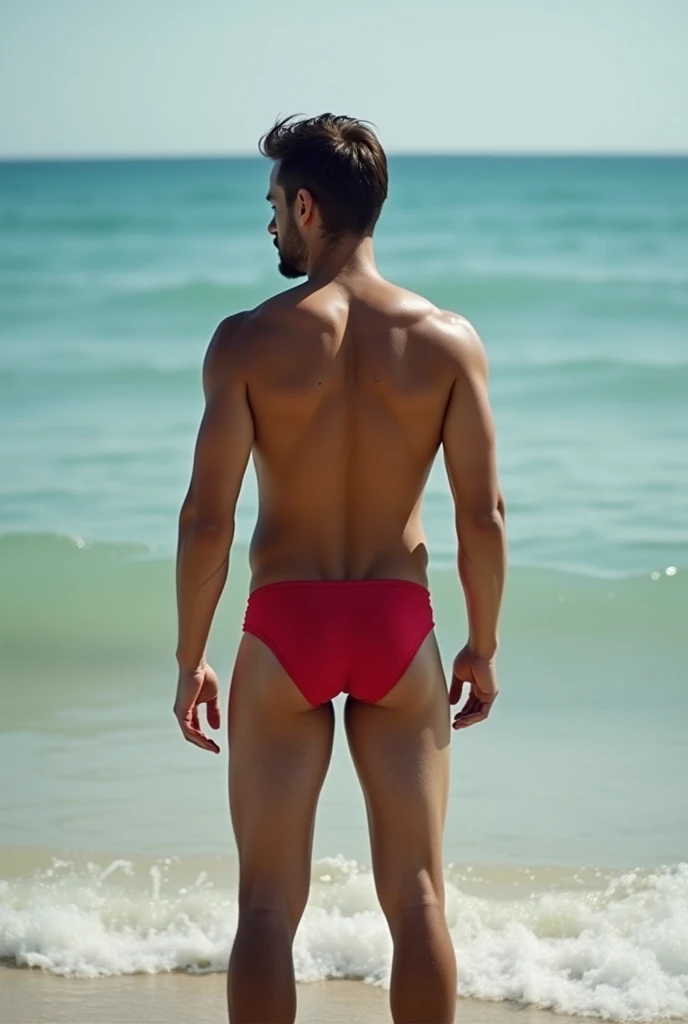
(304, 207)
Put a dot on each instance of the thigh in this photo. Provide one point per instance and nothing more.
(400, 748)
(279, 751)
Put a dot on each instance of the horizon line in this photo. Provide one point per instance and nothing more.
(48, 158)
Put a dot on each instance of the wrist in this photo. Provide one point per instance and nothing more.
(190, 666)
(482, 651)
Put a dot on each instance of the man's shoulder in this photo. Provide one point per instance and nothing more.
(299, 306)
(450, 333)
(235, 335)
(228, 329)
(448, 328)
(237, 340)
(428, 319)
(224, 353)
(295, 306)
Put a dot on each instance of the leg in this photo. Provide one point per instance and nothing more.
(279, 751)
(400, 747)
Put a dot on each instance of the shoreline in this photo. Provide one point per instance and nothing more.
(34, 997)
(90, 943)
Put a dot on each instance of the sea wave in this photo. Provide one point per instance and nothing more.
(252, 280)
(494, 269)
(616, 951)
(583, 273)
(610, 381)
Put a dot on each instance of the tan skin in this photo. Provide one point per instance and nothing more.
(343, 389)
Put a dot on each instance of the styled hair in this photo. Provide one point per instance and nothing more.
(339, 160)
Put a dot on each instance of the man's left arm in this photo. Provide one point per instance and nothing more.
(206, 524)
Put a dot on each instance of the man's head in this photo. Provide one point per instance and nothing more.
(329, 181)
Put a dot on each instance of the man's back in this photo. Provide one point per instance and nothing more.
(348, 387)
(343, 390)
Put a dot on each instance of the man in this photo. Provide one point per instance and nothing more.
(343, 389)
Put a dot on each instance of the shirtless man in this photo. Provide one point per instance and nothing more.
(343, 389)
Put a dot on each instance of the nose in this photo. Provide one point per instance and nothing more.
(272, 227)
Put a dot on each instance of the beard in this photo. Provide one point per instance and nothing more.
(292, 252)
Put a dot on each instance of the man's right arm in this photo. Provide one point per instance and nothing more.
(468, 439)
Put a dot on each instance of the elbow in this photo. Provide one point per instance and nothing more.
(490, 521)
(214, 532)
(486, 518)
(494, 515)
(209, 530)
(187, 515)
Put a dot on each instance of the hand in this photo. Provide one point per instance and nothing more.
(481, 675)
(199, 686)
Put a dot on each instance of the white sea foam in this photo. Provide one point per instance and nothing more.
(619, 953)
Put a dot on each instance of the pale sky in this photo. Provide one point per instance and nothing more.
(159, 77)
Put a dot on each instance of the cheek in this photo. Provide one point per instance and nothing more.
(284, 228)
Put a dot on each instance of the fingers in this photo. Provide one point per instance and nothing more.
(475, 710)
(194, 688)
(464, 721)
(195, 736)
(213, 713)
(191, 729)
(455, 690)
(477, 707)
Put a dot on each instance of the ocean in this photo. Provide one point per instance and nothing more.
(567, 835)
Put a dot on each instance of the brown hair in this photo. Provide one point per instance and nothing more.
(339, 160)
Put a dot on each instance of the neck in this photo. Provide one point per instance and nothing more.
(348, 256)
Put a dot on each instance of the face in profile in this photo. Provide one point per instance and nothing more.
(293, 254)
(292, 249)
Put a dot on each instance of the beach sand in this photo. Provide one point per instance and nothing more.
(31, 997)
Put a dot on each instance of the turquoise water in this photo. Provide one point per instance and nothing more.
(575, 271)
(114, 275)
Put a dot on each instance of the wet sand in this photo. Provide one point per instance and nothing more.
(32, 997)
